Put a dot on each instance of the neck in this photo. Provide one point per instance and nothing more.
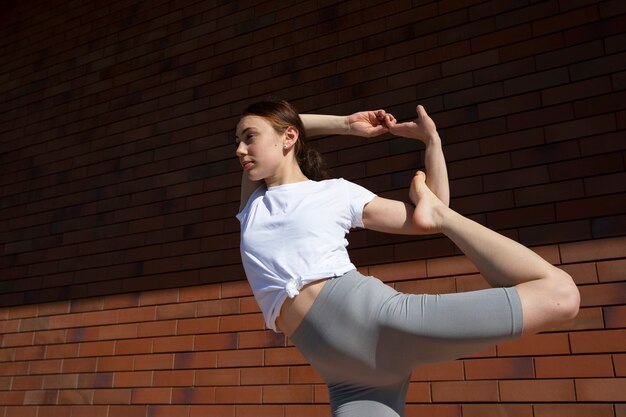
(291, 176)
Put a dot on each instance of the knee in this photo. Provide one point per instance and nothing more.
(566, 296)
(548, 301)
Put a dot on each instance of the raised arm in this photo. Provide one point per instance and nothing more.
(365, 123)
(247, 188)
(423, 128)
(391, 216)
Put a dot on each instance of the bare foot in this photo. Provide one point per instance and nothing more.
(428, 214)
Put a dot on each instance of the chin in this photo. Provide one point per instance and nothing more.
(253, 177)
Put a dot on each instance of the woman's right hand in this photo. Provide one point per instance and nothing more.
(369, 123)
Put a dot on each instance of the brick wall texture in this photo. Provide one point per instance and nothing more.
(121, 287)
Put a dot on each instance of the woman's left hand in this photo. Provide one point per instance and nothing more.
(423, 128)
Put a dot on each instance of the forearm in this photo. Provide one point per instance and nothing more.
(436, 171)
(322, 124)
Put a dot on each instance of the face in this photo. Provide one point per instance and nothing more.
(259, 148)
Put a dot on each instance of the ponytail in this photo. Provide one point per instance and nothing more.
(311, 163)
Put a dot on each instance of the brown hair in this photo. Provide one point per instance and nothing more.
(281, 115)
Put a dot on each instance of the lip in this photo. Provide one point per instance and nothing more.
(246, 164)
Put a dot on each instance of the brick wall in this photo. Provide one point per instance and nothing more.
(121, 289)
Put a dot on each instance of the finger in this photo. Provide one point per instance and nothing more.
(389, 121)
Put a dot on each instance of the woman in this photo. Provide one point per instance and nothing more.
(362, 336)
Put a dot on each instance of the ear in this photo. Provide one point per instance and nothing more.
(291, 136)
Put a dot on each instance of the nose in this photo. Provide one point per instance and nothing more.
(242, 150)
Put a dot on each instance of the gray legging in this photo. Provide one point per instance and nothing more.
(364, 338)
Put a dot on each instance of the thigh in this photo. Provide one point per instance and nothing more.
(419, 329)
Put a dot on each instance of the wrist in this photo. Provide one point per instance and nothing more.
(432, 139)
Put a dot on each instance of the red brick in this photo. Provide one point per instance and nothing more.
(609, 271)
(173, 344)
(502, 37)
(238, 395)
(619, 361)
(22, 383)
(95, 380)
(241, 323)
(115, 363)
(205, 292)
(212, 410)
(133, 346)
(96, 349)
(445, 371)
(220, 341)
(195, 360)
(60, 381)
(175, 311)
(304, 375)
(601, 389)
(215, 377)
(155, 361)
(615, 317)
(595, 67)
(112, 396)
(546, 390)
(129, 410)
(580, 128)
(499, 368)
(430, 286)
(265, 376)
(287, 394)
(240, 358)
(492, 201)
(132, 379)
(255, 410)
(575, 91)
(587, 319)
(582, 366)
(593, 250)
(156, 328)
(193, 395)
(30, 353)
(465, 391)
(582, 273)
(168, 410)
(45, 367)
(284, 356)
(21, 411)
(151, 395)
(509, 410)
(265, 338)
(235, 289)
(533, 46)
(565, 20)
(573, 410)
(603, 294)
(399, 271)
(598, 341)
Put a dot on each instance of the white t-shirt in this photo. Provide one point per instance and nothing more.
(294, 234)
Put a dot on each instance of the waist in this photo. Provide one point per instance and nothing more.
(293, 310)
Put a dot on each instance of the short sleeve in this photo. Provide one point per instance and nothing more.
(358, 197)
